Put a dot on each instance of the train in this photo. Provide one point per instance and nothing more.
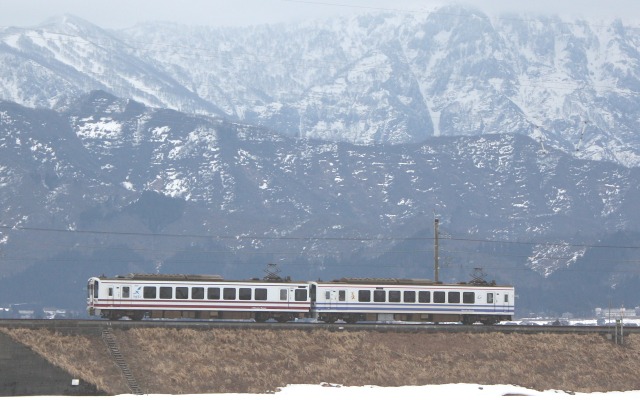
(350, 300)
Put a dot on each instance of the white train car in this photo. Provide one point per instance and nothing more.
(196, 296)
(354, 299)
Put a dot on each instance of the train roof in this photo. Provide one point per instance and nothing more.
(408, 281)
(195, 278)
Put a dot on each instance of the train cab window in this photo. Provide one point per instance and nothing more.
(409, 296)
(364, 296)
(468, 297)
(197, 293)
(213, 293)
(379, 296)
(166, 292)
(283, 294)
(126, 292)
(301, 295)
(394, 296)
(424, 297)
(149, 292)
(260, 294)
(244, 293)
(229, 293)
(182, 292)
(489, 298)
(342, 295)
(438, 297)
(96, 292)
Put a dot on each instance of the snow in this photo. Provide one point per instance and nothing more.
(338, 392)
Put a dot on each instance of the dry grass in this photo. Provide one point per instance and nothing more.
(225, 360)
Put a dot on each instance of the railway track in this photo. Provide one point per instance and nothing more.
(94, 325)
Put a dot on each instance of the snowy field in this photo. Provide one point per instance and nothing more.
(336, 392)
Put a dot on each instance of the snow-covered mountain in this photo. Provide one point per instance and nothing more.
(112, 186)
(375, 78)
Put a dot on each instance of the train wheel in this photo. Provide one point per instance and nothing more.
(137, 316)
(261, 317)
(351, 319)
(284, 318)
(330, 319)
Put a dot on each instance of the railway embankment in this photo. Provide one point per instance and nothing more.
(175, 360)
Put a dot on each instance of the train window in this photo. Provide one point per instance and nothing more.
(213, 293)
(166, 292)
(342, 295)
(96, 286)
(327, 295)
(394, 296)
(182, 292)
(489, 298)
(149, 292)
(438, 297)
(229, 293)
(197, 293)
(409, 296)
(283, 294)
(301, 294)
(126, 292)
(468, 297)
(260, 294)
(244, 293)
(379, 296)
(424, 297)
(506, 298)
(364, 296)
(110, 292)
(453, 297)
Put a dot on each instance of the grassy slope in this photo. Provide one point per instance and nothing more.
(222, 360)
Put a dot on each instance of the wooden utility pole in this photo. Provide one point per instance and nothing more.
(436, 267)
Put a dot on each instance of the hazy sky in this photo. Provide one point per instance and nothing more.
(125, 13)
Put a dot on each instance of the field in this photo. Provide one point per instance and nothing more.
(228, 360)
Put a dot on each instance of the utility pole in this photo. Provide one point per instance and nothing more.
(436, 268)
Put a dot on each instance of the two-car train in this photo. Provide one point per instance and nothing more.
(348, 299)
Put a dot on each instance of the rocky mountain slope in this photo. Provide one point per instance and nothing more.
(112, 186)
(375, 78)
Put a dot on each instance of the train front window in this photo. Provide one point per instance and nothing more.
(96, 292)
